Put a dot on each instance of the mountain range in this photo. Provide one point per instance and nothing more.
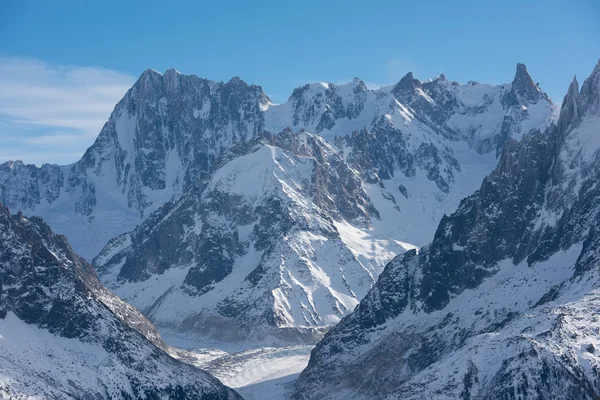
(220, 207)
(437, 239)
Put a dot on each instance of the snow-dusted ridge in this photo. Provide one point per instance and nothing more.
(65, 336)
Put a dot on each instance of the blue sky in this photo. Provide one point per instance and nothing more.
(64, 64)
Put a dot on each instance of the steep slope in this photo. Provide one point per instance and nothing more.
(258, 242)
(503, 302)
(64, 336)
(169, 130)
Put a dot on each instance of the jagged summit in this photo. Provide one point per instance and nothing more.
(590, 92)
(236, 80)
(357, 81)
(524, 87)
(172, 71)
(579, 103)
(151, 80)
(407, 85)
(150, 71)
(522, 75)
(569, 110)
(15, 164)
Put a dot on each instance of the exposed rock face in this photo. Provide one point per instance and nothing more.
(503, 302)
(523, 87)
(64, 335)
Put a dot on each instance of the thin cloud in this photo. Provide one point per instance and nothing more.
(47, 105)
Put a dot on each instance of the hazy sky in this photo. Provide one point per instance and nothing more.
(64, 64)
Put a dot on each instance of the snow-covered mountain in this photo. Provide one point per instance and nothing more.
(504, 302)
(260, 243)
(168, 131)
(65, 336)
(290, 227)
(165, 132)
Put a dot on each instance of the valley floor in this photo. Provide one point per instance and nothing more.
(265, 373)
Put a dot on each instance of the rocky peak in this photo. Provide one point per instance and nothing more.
(237, 82)
(15, 164)
(173, 85)
(438, 81)
(523, 90)
(148, 73)
(165, 132)
(569, 111)
(590, 93)
(308, 90)
(523, 84)
(171, 72)
(148, 80)
(359, 84)
(172, 80)
(407, 86)
(238, 87)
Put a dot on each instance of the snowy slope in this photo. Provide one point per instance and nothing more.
(64, 336)
(503, 302)
(289, 230)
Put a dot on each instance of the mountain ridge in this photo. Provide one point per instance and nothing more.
(501, 303)
(64, 335)
(169, 129)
